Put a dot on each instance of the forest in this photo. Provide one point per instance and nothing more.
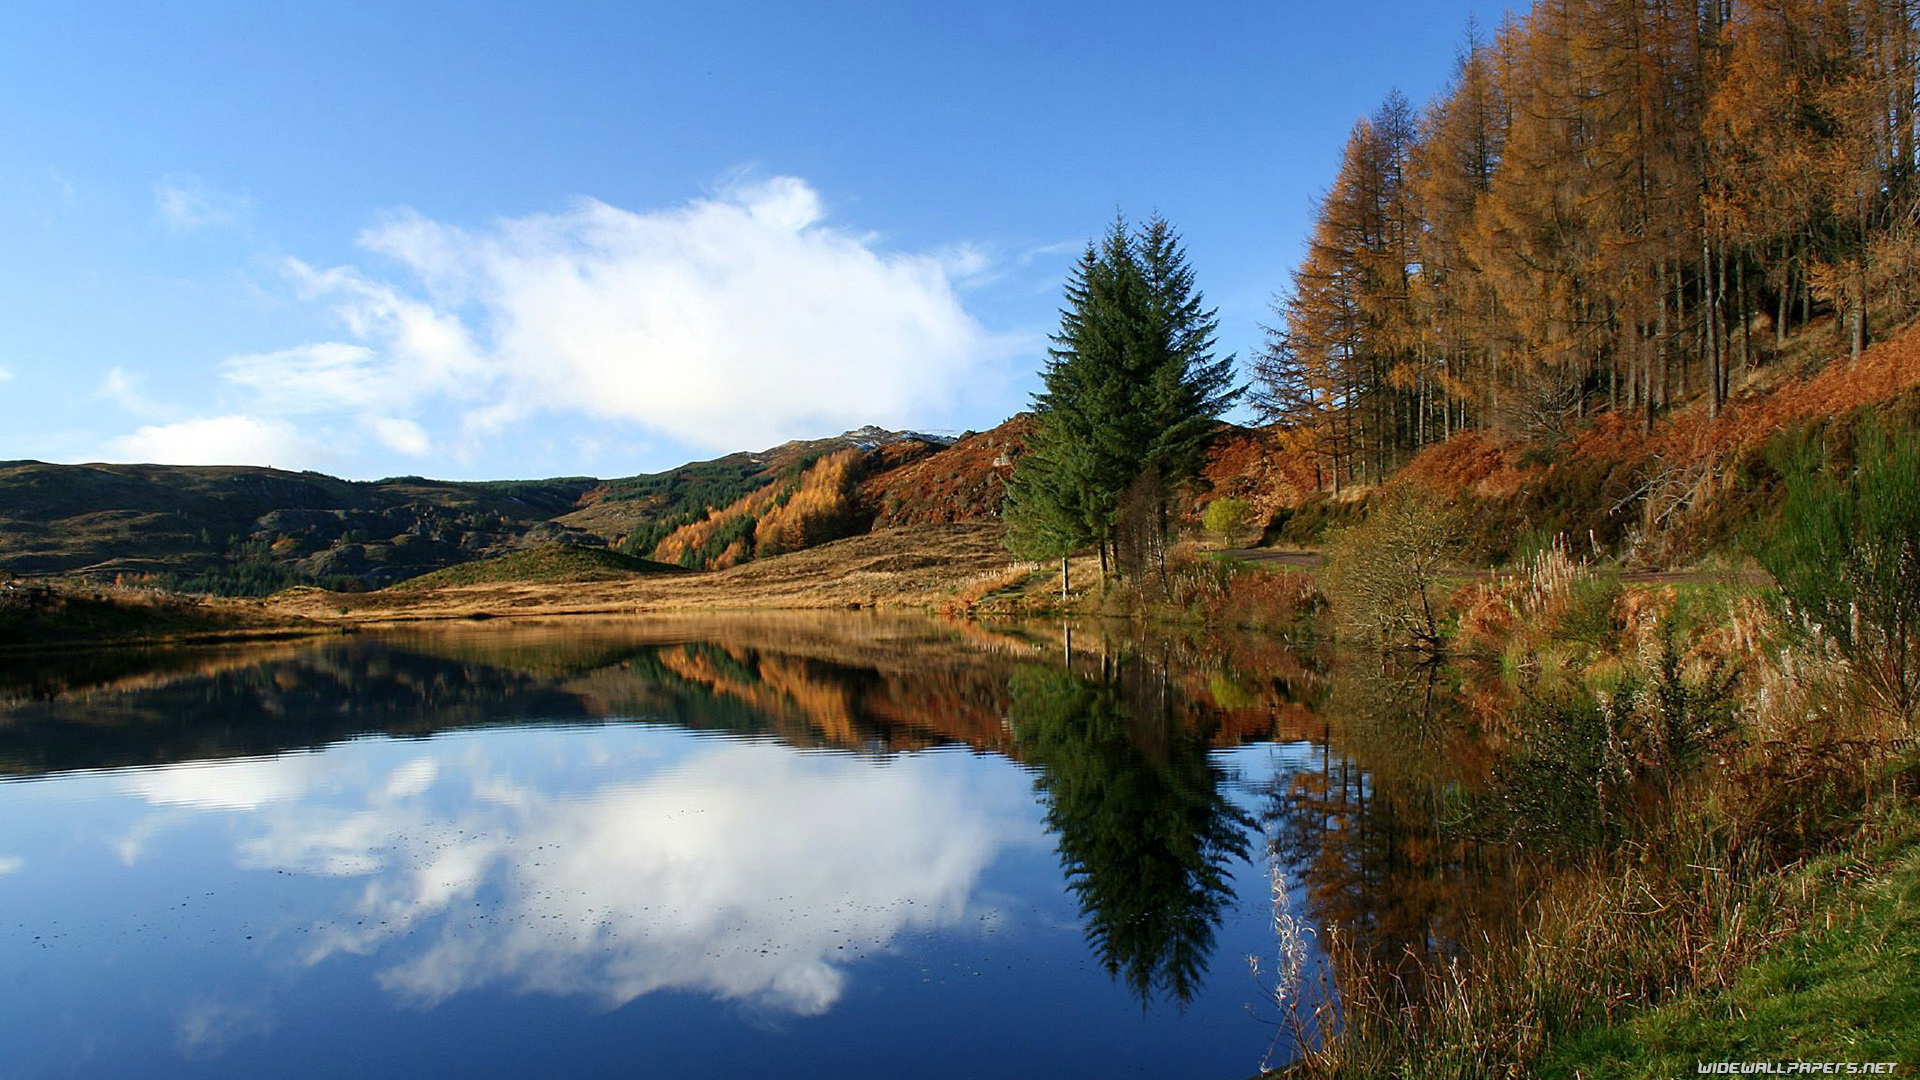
(1616, 206)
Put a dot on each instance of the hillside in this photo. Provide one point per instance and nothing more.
(37, 615)
(915, 568)
(554, 564)
(250, 531)
(224, 529)
(1670, 491)
(965, 482)
(637, 514)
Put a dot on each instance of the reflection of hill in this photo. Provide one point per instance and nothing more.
(27, 677)
(850, 682)
(267, 704)
(1118, 729)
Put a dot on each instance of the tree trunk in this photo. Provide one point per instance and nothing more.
(1859, 343)
(1786, 296)
(1657, 390)
(1746, 315)
(1709, 327)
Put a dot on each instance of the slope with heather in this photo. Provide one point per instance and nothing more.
(236, 529)
(1670, 491)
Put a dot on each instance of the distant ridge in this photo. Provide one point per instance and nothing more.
(250, 530)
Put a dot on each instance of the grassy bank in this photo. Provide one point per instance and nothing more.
(916, 568)
(1192, 587)
(1841, 989)
(551, 564)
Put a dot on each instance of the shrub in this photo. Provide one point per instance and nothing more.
(1845, 552)
(1382, 573)
(1227, 518)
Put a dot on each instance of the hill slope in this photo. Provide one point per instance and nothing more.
(236, 525)
(244, 530)
(1653, 494)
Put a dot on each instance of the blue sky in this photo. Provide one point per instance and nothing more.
(480, 240)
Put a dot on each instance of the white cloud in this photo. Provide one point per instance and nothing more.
(309, 378)
(123, 389)
(68, 191)
(187, 203)
(5, 374)
(735, 321)
(11, 864)
(239, 784)
(739, 320)
(402, 436)
(220, 440)
(208, 1029)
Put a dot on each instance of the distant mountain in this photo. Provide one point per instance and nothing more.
(254, 530)
(241, 529)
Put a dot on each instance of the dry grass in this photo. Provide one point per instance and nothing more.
(978, 593)
(911, 568)
(35, 614)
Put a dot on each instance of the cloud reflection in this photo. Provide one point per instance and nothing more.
(243, 784)
(747, 871)
(206, 1029)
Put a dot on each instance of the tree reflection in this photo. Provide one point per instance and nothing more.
(1378, 831)
(1145, 835)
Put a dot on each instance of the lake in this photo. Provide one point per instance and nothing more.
(805, 846)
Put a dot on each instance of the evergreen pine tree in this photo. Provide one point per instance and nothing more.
(1131, 385)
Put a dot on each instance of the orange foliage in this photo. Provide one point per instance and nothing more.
(1477, 461)
(1265, 599)
(817, 507)
(1264, 467)
(693, 537)
(1486, 464)
(821, 508)
(1487, 617)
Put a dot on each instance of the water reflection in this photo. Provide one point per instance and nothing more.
(1377, 829)
(795, 820)
(741, 871)
(1145, 834)
(1119, 734)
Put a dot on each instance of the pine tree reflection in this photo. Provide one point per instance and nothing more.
(1145, 836)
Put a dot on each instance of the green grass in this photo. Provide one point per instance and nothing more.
(552, 564)
(1850, 992)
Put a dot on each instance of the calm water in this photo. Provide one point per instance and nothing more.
(808, 848)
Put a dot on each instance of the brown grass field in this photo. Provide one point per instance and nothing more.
(916, 567)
